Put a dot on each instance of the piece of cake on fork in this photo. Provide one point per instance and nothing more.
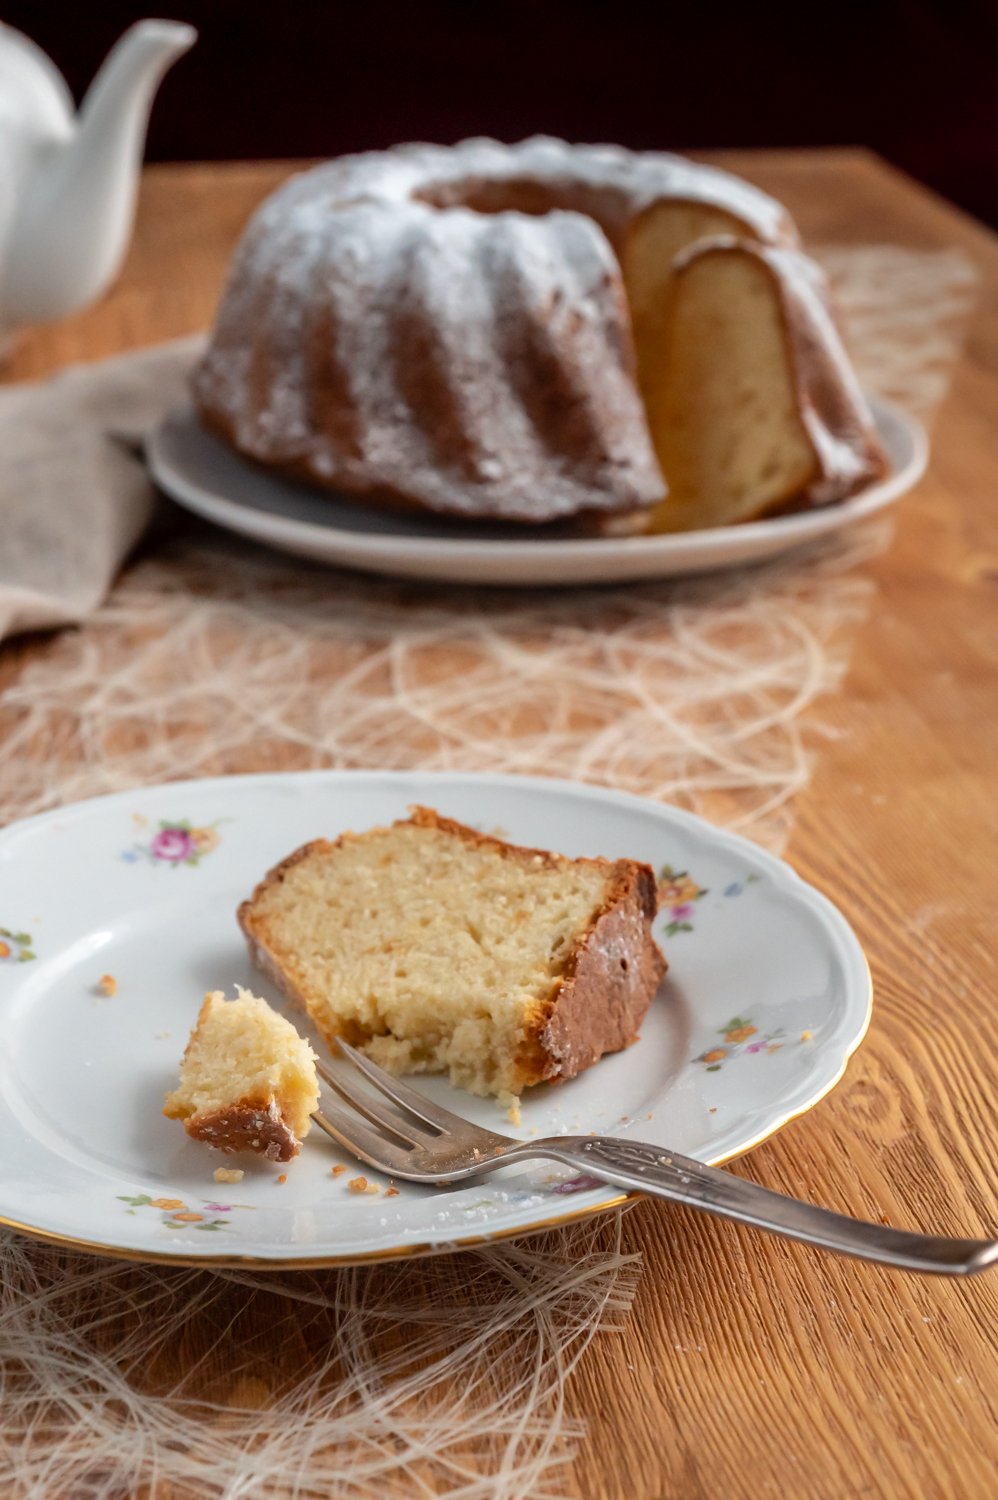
(247, 1080)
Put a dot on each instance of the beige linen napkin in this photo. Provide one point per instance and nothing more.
(74, 493)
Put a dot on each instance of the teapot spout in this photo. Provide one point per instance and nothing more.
(74, 223)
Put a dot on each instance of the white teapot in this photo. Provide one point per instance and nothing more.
(68, 182)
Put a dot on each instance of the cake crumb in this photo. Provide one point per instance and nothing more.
(807, 1036)
(107, 985)
(533, 1130)
(513, 1115)
(228, 1174)
(283, 1177)
(391, 1191)
(337, 1171)
(162, 1035)
(361, 1185)
(714, 1110)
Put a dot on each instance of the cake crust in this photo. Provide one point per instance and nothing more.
(608, 979)
(246, 1125)
(615, 971)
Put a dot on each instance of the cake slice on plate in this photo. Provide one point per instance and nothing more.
(439, 949)
(247, 1080)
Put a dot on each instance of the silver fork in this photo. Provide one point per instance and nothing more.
(416, 1140)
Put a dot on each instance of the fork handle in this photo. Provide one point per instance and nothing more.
(665, 1174)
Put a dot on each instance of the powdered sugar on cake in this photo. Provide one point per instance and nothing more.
(446, 328)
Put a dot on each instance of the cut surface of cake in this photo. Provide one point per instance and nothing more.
(753, 406)
(247, 1080)
(439, 949)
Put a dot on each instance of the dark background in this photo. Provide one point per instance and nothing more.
(916, 80)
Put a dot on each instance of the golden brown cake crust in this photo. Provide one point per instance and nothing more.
(246, 1125)
(609, 980)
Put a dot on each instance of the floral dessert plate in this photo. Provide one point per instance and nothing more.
(118, 914)
(209, 478)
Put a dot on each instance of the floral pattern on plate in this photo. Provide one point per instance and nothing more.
(577, 1184)
(176, 842)
(678, 892)
(177, 1215)
(741, 1037)
(15, 947)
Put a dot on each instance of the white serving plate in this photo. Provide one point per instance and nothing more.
(767, 995)
(207, 477)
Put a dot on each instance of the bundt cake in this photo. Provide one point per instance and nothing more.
(474, 330)
(438, 949)
(247, 1080)
(754, 408)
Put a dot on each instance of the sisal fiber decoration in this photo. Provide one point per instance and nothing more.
(446, 1376)
(443, 1378)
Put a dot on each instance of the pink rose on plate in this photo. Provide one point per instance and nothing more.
(682, 913)
(578, 1184)
(173, 844)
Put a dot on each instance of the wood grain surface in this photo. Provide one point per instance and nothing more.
(750, 1367)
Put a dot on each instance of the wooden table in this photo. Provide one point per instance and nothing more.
(753, 1368)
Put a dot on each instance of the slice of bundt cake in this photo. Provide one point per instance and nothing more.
(439, 949)
(247, 1080)
(753, 407)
